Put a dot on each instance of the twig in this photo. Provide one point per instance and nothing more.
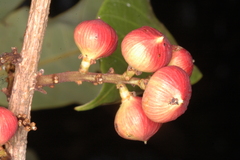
(95, 78)
(25, 75)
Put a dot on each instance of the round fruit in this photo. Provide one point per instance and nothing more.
(95, 39)
(146, 49)
(132, 123)
(182, 58)
(8, 125)
(167, 94)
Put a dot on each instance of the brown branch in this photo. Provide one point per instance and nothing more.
(95, 78)
(25, 75)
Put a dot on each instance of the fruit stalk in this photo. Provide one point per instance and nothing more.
(130, 120)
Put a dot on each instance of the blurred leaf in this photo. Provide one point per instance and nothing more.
(7, 6)
(12, 30)
(59, 53)
(31, 154)
(196, 75)
(124, 16)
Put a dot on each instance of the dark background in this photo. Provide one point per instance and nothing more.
(208, 130)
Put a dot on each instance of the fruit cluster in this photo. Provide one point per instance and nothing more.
(168, 91)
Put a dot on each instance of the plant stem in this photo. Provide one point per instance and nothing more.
(95, 78)
(25, 74)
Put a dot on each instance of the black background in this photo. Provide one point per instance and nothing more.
(208, 130)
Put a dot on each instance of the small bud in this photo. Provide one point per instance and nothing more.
(167, 94)
(132, 123)
(182, 58)
(8, 125)
(146, 49)
(95, 39)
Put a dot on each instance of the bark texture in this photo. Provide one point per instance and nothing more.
(25, 74)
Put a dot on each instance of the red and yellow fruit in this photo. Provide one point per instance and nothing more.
(132, 123)
(167, 94)
(146, 49)
(182, 58)
(95, 39)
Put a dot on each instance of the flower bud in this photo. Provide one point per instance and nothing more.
(146, 49)
(182, 58)
(132, 123)
(8, 125)
(167, 94)
(95, 39)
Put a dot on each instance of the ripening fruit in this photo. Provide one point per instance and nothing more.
(146, 49)
(95, 39)
(182, 58)
(132, 123)
(167, 94)
(8, 125)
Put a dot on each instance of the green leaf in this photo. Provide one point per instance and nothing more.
(7, 6)
(59, 53)
(12, 30)
(196, 75)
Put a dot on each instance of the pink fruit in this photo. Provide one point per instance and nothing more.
(132, 123)
(182, 58)
(95, 39)
(8, 125)
(167, 94)
(146, 49)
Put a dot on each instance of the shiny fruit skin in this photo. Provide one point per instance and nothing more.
(146, 49)
(182, 58)
(167, 94)
(95, 39)
(131, 122)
